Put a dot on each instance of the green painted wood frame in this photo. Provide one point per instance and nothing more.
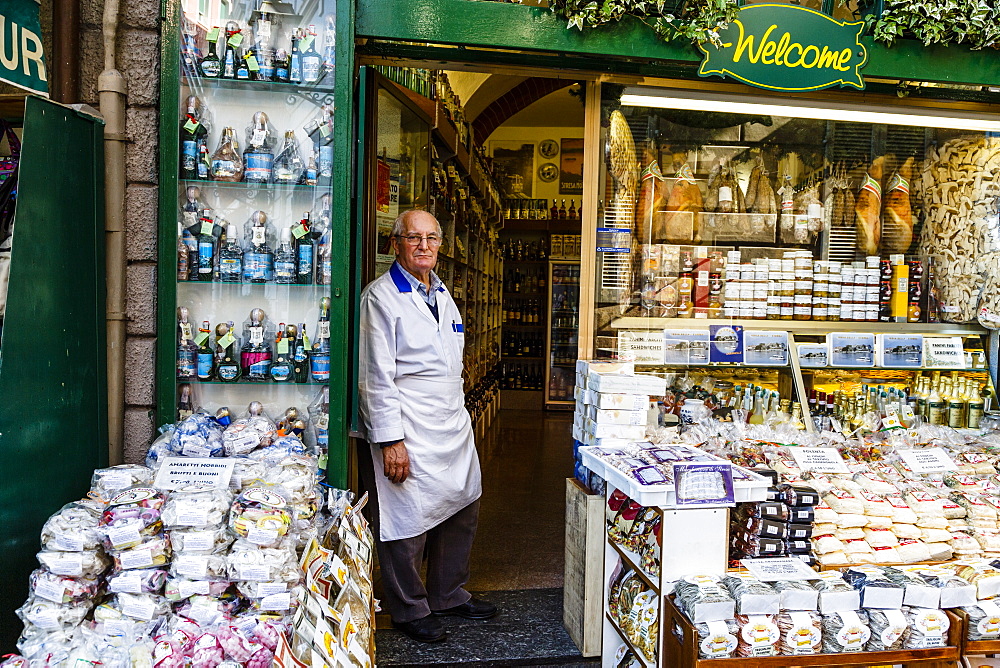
(344, 290)
(465, 23)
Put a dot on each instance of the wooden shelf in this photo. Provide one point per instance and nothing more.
(632, 559)
(628, 641)
(815, 327)
(682, 652)
(555, 226)
(960, 619)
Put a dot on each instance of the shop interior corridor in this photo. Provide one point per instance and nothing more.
(517, 560)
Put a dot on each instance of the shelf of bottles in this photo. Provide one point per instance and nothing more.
(253, 218)
(524, 311)
(564, 323)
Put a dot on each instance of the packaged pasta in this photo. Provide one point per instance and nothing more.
(985, 577)
(905, 531)
(717, 639)
(928, 628)
(984, 620)
(758, 636)
(901, 511)
(886, 555)
(835, 594)
(843, 502)
(800, 632)
(824, 513)
(845, 631)
(877, 590)
(848, 520)
(916, 590)
(880, 537)
(965, 545)
(796, 595)
(955, 592)
(832, 559)
(704, 598)
(888, 629)
(753, 597)
(824, 544)
(875, 505)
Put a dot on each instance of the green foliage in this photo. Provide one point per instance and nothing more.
(695, 20)
(975, 23)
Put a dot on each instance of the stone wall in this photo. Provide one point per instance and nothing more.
(138, 59)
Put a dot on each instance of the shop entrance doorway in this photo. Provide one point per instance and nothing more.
(497, 158)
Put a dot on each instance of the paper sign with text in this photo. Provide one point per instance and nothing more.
(820, 460)
(929, 460)
(175, 472)
(779, 568)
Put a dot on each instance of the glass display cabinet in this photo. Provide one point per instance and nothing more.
(803, 259)
(251, 222)
(564, 320)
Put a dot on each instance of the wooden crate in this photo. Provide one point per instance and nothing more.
(679, 649)
(583, 586)
(960, 619)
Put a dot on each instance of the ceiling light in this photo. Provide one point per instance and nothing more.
(829, 111)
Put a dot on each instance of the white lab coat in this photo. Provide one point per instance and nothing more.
(411, 389)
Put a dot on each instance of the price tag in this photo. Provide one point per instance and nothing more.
(891, 422)
(305, 43)
(45, 619)
(324, 329)
(185, 330)
(50, 591)
(929, 460)
(191, 125)
(299, 230)
(207, 227)
(324, 130)
(253, 572)
(192, 517)
(820, 460)
(213, 35)
(227, 340)
(256, 335)
(282, 347)
(191, 566)
(126, 535)
(252, 63)
(136, 559)
(259, 536)
(188, 588)
(779, 568)
(235, 40)
(117, 627)
(175, 472)
(199, 541)
(193, 449)
(67, 564)
(265, 589)
(200, 339)
(906, 412)
(68, 543)
(137, 607)
(127, 583)
(276, 602)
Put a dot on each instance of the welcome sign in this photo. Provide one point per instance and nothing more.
(786, 47)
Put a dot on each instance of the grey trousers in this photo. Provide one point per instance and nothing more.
(447, 547)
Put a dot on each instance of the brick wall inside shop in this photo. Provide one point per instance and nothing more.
(138, 59)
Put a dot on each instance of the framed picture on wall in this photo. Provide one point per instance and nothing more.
(514, 162)
(571, 167)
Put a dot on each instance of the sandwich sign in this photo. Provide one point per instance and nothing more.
(22, 61)
(788, 48)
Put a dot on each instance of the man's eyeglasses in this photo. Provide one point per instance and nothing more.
(433, 241)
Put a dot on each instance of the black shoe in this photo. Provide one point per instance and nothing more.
(471, 609)
(425, 629)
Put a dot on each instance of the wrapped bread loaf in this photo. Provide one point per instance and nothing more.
(868, 209)
(897, 217)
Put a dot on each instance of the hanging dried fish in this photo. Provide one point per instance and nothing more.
(897, 216)
(868, 207)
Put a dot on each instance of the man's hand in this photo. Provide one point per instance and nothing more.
(396, 462)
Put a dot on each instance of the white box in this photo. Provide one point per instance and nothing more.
(579, 419)
(628, 432)
(603, 442)
(579, 435)
(638, 384)
(625, 402)
(616, 416)
(586, 367)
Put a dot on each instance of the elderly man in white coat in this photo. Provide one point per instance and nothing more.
(420, 436)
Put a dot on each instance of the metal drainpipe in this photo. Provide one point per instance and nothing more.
(112, 92)
(66, 50)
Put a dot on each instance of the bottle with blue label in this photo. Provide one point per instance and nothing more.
(284, 259)
(193, 138)
(258, 261)
(258, 158)
(210, 66)
(319, 357)
(281, 368)
(227, 165)
(227, 362)
(319, 415)
(256, 354)
(231, 257)
(281, 66)
(288, 164)
(206, 356)
(206, 250)
(187, 351)
(323, 247)
(304, 251)
(329, 43)
(312, 62)
(295, 58)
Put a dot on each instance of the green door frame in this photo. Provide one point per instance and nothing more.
(344, 231)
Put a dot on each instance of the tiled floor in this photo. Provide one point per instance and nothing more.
(517, 559)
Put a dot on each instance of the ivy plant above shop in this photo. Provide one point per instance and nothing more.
(972, 23)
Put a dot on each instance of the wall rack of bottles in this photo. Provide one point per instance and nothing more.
(976, 377)
(253, 183)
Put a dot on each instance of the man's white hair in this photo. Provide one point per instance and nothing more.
(399, 225)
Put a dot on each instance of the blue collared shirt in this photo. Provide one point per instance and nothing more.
(429, 296)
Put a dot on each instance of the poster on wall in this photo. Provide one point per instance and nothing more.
(516, 162)
(571, 167)
(383, 241)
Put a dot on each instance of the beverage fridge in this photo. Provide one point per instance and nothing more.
(561, 335)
